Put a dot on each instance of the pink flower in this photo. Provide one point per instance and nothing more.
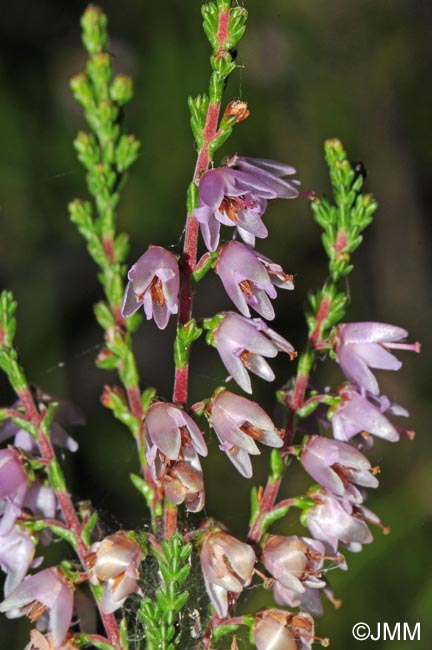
(335, 465)
(277, 629)
(227, 565)
(45, 591)
(115, 563)
(250, 278)
(237, 195)
(355, 414)
(183, 481)
(243, 343)
(154, 282)
(361, 346)
(295, 562)
(167, 429)
(238, 422)
(13, 487)
(17, 550)
(332, 521)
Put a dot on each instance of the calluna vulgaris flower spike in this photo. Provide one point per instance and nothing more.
(151, 567)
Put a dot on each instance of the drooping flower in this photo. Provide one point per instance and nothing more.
(333, 520)
(66, 414)
(115, 563)
(277, 629)
(183, 481)
(238, 422)
(227, 565)
(237, 195)
(154, 282)
(336, 465)
(243, 343)
(168, 428)
(250, 278)
(295, 562)
(17, 550)
(13, 487)
(44, 592)
(355, 414)
(361, 346)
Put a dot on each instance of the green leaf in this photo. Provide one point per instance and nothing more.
(271, 517)
(89, 528)
(56, 477)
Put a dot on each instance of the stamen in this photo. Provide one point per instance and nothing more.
(35, 610)
(251, 430)
(156, 291)
(246, 287)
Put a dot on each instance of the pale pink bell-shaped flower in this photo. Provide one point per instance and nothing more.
(276, 629)
(115, 563)
(250, 278)
(183, 481)
(335, 465)
(361, 346)
(45, 592)
(17, 550)
(154, 283)
(238, 423)
(168, 428)
(237, 195)
(295, 562)
(356, 414)
(332, 521)
(243, 343)
(227, 565)
(13, 487)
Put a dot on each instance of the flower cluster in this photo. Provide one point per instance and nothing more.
(47, 597)
(27, 496)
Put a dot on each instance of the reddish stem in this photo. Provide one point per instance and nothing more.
(266, 504)
(189, 258)
(322, 313)
(66, 505)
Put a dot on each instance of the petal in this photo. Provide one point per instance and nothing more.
(376, 356)
(356, 370)
(130, 302)
(163, 430)
(61, 614)
(259, 366)
(272, 166)
(241, 461)
(218, 597)
(371, 332)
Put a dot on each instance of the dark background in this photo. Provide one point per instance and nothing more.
(309, 70)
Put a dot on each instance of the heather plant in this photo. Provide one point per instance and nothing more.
(142, 582)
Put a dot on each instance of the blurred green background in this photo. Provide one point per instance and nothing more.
(309, 70)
